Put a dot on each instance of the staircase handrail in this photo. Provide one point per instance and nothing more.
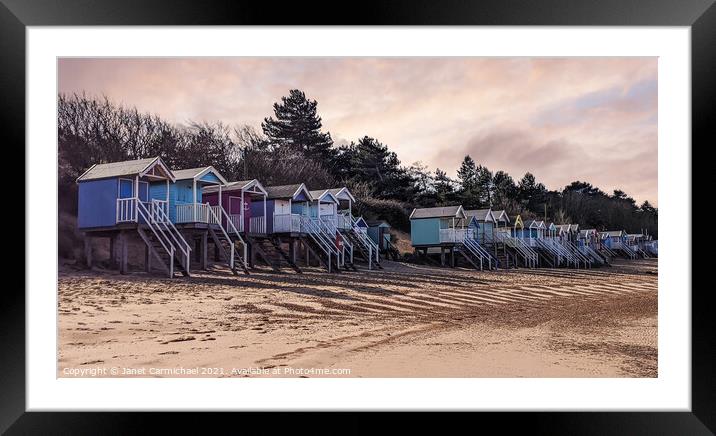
(516, 244)
(164, 240)
(542, 243)
(172, 230)
(327, 234)
(231, 227)
(330, 231)
(475, 247)
(365, 239)
(315, 234)
(574, 249)
(212, 214)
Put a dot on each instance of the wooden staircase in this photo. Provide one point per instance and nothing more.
(165, 243)
(475, 254)
(169, 260)
(318, 251)
(232, 248)
(521, 253)
(320, 245)
(228, 251)
(504, 259)
(364, 246)
(270, 251)
(392, 251)
(579, 258)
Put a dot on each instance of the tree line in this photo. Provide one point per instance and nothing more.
(291, 147)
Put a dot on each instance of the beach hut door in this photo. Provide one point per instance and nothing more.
(143, 191)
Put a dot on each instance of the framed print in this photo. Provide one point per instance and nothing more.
(409, 208)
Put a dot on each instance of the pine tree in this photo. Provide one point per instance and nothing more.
(298, 127)
(370, 161)
(469, 189)
(484, 186)
(531, 194)
(467, 174)
(444, 188)
(505, 190)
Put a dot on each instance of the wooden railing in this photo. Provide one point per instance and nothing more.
(126, 210)
(196, 213)
(215, 215)
(159, 210)
(237, 222)
(287, 223)
(454, 235)
(344, 222)
(161, 219)
(257, 225)
(367, 242)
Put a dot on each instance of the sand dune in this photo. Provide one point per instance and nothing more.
(404, 321)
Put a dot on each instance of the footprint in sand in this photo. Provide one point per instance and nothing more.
(180, 339)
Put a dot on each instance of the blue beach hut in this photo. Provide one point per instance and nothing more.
(119, 193)
(186, 205)
(482, 223)
(436, 226)
(286, 205)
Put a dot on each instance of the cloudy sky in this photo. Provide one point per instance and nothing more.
(563, 119)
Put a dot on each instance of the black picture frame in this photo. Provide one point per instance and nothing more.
(15, 15)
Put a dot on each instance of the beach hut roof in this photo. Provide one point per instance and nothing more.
(501, 215)
(378, 223)
(360, 222)
(438, 212)
(153, 168)
(551, 226)
(481, 215)
(517, 219)
(342, 194)
(287, 191)
(322, 194)
(615, 232)
(534, 224)
(252, 186)
(568, 227)
(198, 173)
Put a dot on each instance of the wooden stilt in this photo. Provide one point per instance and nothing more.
(197, 250)
(88, 251)
(204, 261)
(123, 267)
(442, 256)
(147, 259)
(452, 257)
(112, 251)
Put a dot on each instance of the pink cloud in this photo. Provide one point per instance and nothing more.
(558, 118)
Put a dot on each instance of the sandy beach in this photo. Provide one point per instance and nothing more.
(404, 321)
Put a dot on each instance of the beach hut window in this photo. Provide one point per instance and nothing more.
(126, 188)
